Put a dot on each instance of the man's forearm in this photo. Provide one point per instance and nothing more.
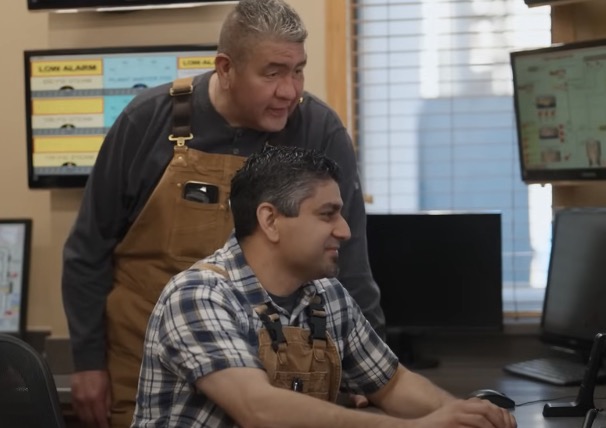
(246, 395)
(410, 395)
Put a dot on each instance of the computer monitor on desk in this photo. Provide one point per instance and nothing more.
(574, 309)
(15, 244)
(439, 272)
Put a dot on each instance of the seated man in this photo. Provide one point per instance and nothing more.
(261, 333)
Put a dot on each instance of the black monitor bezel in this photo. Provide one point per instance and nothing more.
(534, 3)
(78, 181)
(413, 327)
(58, 5)
(27, 224)
(566, 342)
(563, 176)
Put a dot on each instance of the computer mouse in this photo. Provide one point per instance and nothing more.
(495, 397)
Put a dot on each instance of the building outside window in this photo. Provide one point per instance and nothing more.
(434, 121)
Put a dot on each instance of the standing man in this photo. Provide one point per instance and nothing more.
(157, 199)
(262, 334)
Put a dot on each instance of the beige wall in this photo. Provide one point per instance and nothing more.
(53, 211)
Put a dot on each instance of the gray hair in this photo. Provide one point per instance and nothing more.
(254, 20)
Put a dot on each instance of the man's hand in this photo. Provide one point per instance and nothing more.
(358, 401)
(91, 397)
(472, 413)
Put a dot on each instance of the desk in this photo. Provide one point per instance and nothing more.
(62, 382)
(470, 362)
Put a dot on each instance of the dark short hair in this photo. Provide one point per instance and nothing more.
(282, 176)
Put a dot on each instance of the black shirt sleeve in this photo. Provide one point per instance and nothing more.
(112, 197)
(354, 272)
(87, 264)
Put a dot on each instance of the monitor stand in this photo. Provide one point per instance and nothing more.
(579, 355)
(402, 344)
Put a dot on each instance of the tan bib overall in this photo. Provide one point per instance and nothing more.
(168, 236)
(294, 358)
(298, 359)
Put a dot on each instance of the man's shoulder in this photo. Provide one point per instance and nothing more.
(152, 99)
(149, 97)
(212, 271)
(203, 279)
(312, 107)
(312, 125)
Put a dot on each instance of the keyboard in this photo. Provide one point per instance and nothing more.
(557, 371)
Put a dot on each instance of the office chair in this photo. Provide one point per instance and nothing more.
(28, 395)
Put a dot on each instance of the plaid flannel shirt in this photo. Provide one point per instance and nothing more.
(204, 322)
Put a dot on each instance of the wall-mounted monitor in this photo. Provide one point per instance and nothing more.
(74, 96)
(560, 99)
(114, 5)
(532, 3)
(15, 246)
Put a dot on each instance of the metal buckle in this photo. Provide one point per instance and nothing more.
(181, 139)
(181, 91)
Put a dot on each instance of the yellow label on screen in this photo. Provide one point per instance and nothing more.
(68, 106)
(81, 67)
(65, 143)
(197, 62)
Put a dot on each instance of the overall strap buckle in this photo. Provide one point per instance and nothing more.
(317, 318)
(181, 91)
(271, 321)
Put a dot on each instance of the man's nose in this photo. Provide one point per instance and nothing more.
(342, 230)
(287, 89)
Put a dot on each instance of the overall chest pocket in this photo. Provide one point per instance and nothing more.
(314, 384)
(198, 229)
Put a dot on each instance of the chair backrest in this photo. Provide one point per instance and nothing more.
(28, 395)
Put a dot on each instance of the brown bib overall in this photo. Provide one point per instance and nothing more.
(298, 359)
(294, 358)
(168, 236)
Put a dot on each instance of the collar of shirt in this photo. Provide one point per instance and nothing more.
(244, 280)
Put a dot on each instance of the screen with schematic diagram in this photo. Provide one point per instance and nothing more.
(15, 252)
(559, 98)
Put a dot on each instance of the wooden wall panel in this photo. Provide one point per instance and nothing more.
(578, 22)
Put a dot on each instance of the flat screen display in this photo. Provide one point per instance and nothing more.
(532, 3)
(560, 97)
(74, 96)
(15, 245)
(575, 297)
(61, 5)
(438, 272)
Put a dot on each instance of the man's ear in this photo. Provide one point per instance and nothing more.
(268, 217)
(223, 67)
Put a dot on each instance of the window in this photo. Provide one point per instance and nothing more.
(434, 121)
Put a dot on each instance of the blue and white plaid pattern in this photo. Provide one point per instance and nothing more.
(204, 322)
